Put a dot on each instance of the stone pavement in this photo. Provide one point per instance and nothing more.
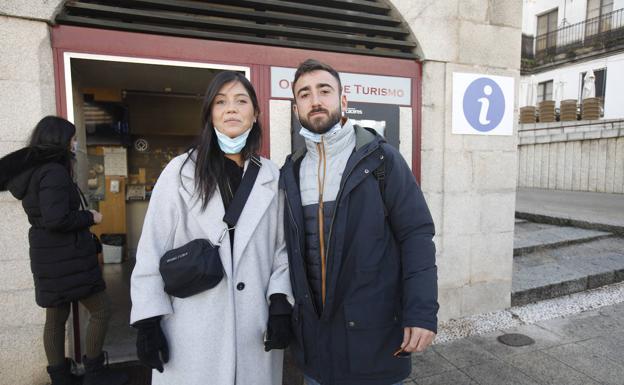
(582, 209)
(584, 349)
(579, 338)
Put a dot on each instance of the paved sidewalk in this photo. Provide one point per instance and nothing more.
(579, 338)
(583, 349)
(578, 207)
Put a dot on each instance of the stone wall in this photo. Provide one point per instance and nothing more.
(27, 93)
(573, 156)
(469, 181)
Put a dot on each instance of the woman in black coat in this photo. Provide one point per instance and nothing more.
(62, 250)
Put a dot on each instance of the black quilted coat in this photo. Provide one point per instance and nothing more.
(62, 251)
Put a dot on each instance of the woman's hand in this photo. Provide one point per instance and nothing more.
(97, 217)
(152, 347)
(278, 333)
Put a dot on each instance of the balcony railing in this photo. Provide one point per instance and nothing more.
(597, 33)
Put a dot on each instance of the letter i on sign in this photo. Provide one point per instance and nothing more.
(485, 105)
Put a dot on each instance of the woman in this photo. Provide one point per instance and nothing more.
(216, 336)
(62, 250)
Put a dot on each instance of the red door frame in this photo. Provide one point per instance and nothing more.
(259, 58)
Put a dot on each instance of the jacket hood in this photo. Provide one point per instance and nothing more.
(17, 168)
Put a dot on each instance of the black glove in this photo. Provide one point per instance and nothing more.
(152, 348)
(278, 328)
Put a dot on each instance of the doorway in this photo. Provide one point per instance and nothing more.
(132, 117)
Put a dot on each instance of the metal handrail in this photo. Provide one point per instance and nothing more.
(603, 30)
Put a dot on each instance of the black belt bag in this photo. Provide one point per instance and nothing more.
(196, 266)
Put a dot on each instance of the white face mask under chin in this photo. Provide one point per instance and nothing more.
(315, 137)
(232, 145)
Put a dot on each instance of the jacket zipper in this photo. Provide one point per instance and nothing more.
(339, 195)
(292, 219)
(321, 217)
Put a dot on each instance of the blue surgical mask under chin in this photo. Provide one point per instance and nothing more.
(316, 138)
(232, 145)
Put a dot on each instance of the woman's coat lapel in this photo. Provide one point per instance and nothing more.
(258, 202)
(211, 222)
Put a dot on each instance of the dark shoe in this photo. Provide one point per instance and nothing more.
(61, 374)
(96, 373)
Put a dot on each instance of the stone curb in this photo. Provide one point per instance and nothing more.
(540, 218)
(560, 289)
(546, 246)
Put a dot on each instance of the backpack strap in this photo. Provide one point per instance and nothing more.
(380, 175)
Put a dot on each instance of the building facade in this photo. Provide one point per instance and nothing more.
(53, 54)
(562, 41)
(567, 149)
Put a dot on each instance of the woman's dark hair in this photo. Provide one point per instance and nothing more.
(54, 133)
(209, 162)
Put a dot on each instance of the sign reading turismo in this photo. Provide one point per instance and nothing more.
(357, 87)
(482, 105)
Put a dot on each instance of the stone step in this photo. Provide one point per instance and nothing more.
(550, 273)
(613, 224)
(530, 237)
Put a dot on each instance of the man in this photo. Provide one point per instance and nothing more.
(359, 237)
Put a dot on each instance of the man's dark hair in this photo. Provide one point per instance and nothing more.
(312, 65)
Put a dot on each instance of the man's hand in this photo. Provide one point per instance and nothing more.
(416, 339)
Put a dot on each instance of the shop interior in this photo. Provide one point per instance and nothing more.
(132, 119)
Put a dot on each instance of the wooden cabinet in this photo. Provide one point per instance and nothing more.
(113, 208)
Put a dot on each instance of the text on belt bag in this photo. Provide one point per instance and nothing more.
(196, 266)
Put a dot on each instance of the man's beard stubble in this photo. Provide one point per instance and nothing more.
(322, 125)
